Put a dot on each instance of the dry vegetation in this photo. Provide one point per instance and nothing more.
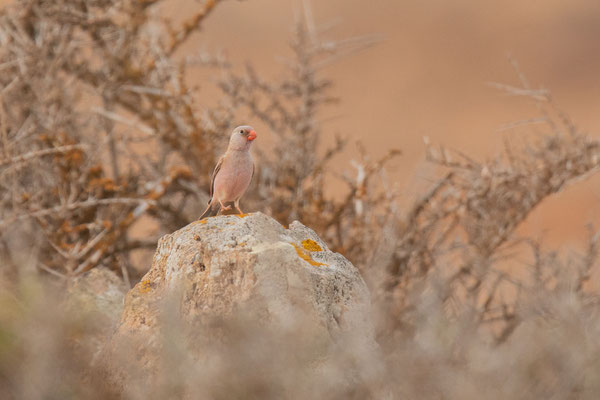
(99, 132)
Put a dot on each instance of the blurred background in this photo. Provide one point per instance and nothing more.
(430, 74)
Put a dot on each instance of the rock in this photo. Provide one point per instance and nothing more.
(251, 267)
(98, 295)
(98, 290)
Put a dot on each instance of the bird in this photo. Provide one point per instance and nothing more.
(233, 173)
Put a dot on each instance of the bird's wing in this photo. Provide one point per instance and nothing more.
(214, 175)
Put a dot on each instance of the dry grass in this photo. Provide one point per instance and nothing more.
(98, 131)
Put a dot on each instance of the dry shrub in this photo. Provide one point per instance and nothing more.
(459, 238)
(73, 71)
(99, 133)
(552, 354)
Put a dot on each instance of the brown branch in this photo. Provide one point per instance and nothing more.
(40, 153)
(76, 206)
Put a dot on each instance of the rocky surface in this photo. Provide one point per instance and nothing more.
(99, 296)
(99, 290)
(249, 266)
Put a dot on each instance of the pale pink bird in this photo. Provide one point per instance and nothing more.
(233, 173)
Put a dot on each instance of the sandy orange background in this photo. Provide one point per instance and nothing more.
(428, 77)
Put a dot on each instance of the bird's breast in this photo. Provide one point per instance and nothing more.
(234, 177)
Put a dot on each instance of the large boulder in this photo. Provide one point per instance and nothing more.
(96, 297)
(249, 268)
(99, 291)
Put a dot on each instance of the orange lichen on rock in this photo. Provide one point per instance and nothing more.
(311, 245)
(243, 215)
(145, 286)
(306, 257)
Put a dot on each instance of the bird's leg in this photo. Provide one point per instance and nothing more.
(236, 205)
(224, 207)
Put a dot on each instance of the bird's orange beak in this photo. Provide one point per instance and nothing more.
(251, 136)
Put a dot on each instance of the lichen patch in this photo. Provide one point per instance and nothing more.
(306, 257)
(145, 286)
(311, 245)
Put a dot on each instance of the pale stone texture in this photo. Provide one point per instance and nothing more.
(253, 266)
(218, 263)
(97, 295)
(99, 290)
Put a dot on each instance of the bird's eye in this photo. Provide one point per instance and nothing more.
(243, 132)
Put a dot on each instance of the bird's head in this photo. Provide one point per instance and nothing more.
(242, 137)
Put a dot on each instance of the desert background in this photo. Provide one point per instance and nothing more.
(422, 223)
(429, 77)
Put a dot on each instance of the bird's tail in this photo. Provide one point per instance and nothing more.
(213, 209)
